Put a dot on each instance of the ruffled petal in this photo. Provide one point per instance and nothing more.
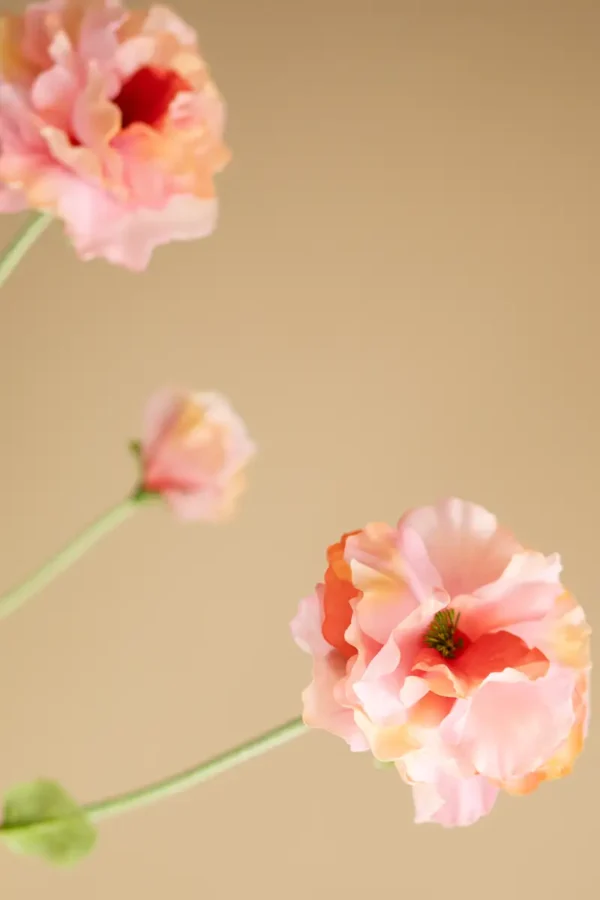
(464, 542)
(451, 801)
(490, 653)
(321, 707)
(512, 725)
(306, 627)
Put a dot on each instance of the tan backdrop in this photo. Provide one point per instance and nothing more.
(403, 301)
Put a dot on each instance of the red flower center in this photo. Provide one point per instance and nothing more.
(147, 95)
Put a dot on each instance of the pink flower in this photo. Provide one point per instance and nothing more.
(110, 121)
(447, 648)
(193, 452)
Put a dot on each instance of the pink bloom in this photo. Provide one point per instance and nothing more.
(193, 452)
(446, 647)
(109, 120)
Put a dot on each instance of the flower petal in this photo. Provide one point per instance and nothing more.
(306, 627)
(451, 801)
(378, 572)
(392, 742)
(322, 709)
(464, 542)
(526, 591)
(379, 687)
(512, 725)
(490, 653)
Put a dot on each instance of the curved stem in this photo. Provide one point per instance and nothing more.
(19, 595)
(183, 781)
(25, 238)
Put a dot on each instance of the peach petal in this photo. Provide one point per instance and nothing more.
(377, 572)
(14, 66)
(80, 160)
(563, 635)
(392, 742)
(162, 20)
(387, 743)
(96, 121)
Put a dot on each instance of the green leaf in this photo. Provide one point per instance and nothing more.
(41, 819)
(135, 447)
(381, 764)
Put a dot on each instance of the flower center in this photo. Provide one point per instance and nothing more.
(442, 635)
(147, 95)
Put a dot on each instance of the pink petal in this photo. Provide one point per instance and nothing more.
(100, 226)
(306, 627)
(413, 690)
(19, 124)
(208, 504)
(464, 543)
(525, 591)
(11, 201)
(452, 801)
(98, 42)
(322, 710)
(381, 683)
(378, 690)
(54, 93)
(160, 414)
(511, 725)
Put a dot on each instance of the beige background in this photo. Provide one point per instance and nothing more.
(403, 301)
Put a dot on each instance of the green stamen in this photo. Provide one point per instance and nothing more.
(442, 633)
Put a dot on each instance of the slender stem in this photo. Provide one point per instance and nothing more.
(175, 784)
(24, 239)
(19, 595)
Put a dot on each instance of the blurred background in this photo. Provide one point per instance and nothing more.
(402, 300)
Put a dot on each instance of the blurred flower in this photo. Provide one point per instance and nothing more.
(447, 648)
(110, 121)
(193, 452)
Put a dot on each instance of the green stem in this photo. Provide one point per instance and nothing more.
(24, 239)
(175, 784)
(19, 595)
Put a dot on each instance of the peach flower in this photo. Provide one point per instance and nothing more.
(193, 452)
(447, 648)
(109, 120)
